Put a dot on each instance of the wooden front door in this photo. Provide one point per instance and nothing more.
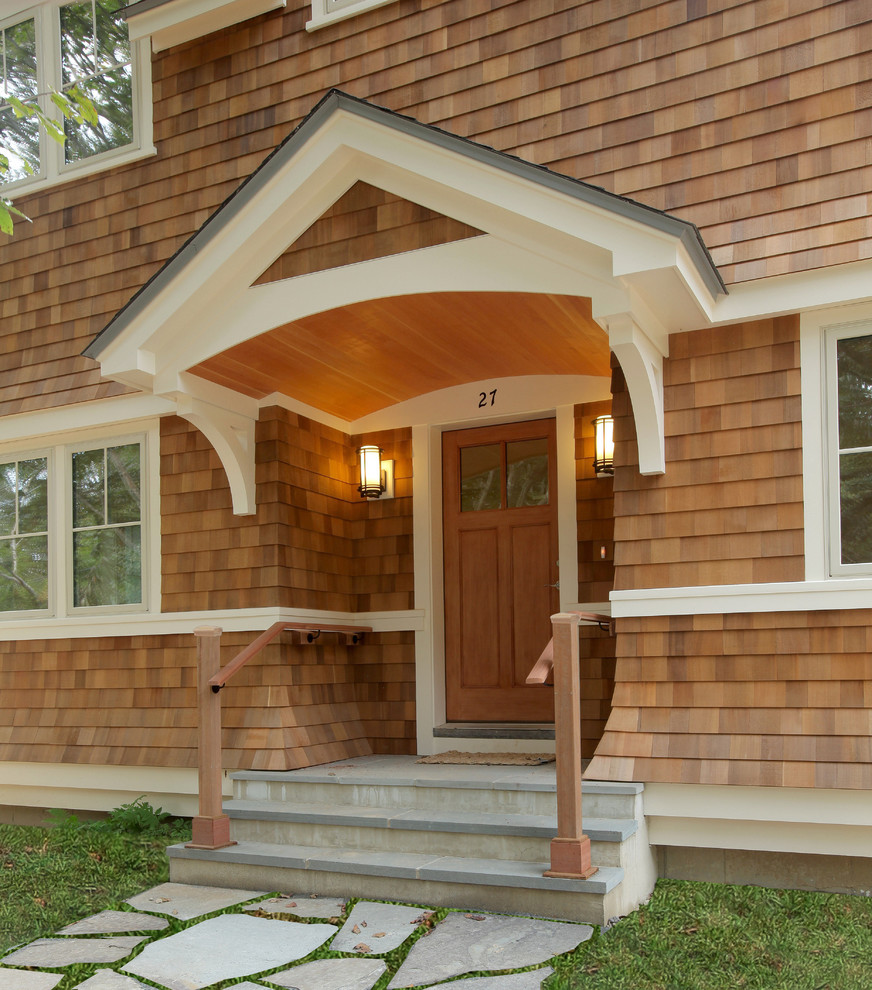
(500, 565)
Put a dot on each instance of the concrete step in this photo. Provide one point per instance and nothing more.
(524, 794)
(449, 833)
(468, 882)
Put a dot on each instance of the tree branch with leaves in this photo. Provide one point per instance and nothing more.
(74, 105)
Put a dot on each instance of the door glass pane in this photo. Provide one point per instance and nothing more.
(480, 478)
(855, 472)
(527, 472)
(855, 392)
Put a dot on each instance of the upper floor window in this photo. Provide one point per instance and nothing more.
(51, 48)
(849, 373)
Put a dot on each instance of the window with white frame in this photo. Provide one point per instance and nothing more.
(71, 529)
(329, 11)
(849, 419)
(51, 48)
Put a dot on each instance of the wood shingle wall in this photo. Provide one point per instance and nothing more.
(595, 513)
(132, 702)
(750, 119)
(314, 542)
(729, 509)
(772, 699)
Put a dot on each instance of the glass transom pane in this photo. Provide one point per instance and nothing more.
(527, 472)
(481, 477)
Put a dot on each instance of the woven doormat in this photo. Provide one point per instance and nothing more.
(490, 759)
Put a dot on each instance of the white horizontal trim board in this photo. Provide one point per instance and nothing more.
(100, 788)
(176, 623)
(776, 819)
(795, 596)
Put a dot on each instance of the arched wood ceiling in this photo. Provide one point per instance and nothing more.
(355, 360)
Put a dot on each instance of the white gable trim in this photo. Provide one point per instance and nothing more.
(543, 232)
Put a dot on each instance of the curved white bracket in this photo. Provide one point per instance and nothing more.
(232, 435)
(642, 364)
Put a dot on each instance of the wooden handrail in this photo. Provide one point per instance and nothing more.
(544, 666)
(241, 659)
(211, 827)
(570, 850)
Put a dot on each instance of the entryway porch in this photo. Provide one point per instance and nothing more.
(456, 836)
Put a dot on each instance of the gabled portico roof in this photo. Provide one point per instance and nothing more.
(646, 274)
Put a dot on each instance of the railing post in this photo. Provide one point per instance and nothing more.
(570, 851)
(211, 827)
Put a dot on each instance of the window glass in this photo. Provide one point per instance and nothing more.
(527, 472)
(481, 477)
(19, 139)
(107, 532)
(854, 422)
(24, 535)
(96, 56)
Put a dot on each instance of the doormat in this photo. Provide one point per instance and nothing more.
(490, 759)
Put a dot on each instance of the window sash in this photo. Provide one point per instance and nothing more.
(849, 495)
(53, 157)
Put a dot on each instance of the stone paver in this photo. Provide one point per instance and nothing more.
(185, 900)
(107, 979)
(248, 985)
(473, 942)
(515, 981)
(332, 974)
(380, 927)
(109, 922)
(66, 951)
(15, 979)
(302, 905)
(226, 947)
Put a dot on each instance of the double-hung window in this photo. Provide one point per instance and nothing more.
(71, 529)
(849, 419)
(51, 48)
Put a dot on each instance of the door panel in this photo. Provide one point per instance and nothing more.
(500, 560)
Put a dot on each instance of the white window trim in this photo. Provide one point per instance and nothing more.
(59, 450)
(53, 169)
(818, 330)
(326, 12)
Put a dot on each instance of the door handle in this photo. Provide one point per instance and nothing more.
(555, 585)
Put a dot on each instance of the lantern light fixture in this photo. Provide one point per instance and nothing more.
(376, 475)
(604, 441)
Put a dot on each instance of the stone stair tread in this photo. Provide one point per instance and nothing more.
(419, 866)
(488, 823)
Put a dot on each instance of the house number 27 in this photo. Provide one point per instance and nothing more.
(483, 398)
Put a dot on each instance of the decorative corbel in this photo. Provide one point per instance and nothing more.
(231, 433)
(642, 364)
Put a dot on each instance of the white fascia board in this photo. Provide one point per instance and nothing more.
(795, 596)
(204, 283)
(781, 295)
(181, 623)
(174, 23)
(120, 411)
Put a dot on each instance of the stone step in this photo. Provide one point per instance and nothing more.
(461, 791)
(471, 834)
(422, 878)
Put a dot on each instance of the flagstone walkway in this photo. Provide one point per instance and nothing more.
(183, 937)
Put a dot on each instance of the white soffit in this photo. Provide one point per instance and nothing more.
(173, 22)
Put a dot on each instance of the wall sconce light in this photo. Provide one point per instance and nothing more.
(604, 438)
(376, 475)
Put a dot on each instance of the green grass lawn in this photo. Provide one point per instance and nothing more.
(690, 936)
